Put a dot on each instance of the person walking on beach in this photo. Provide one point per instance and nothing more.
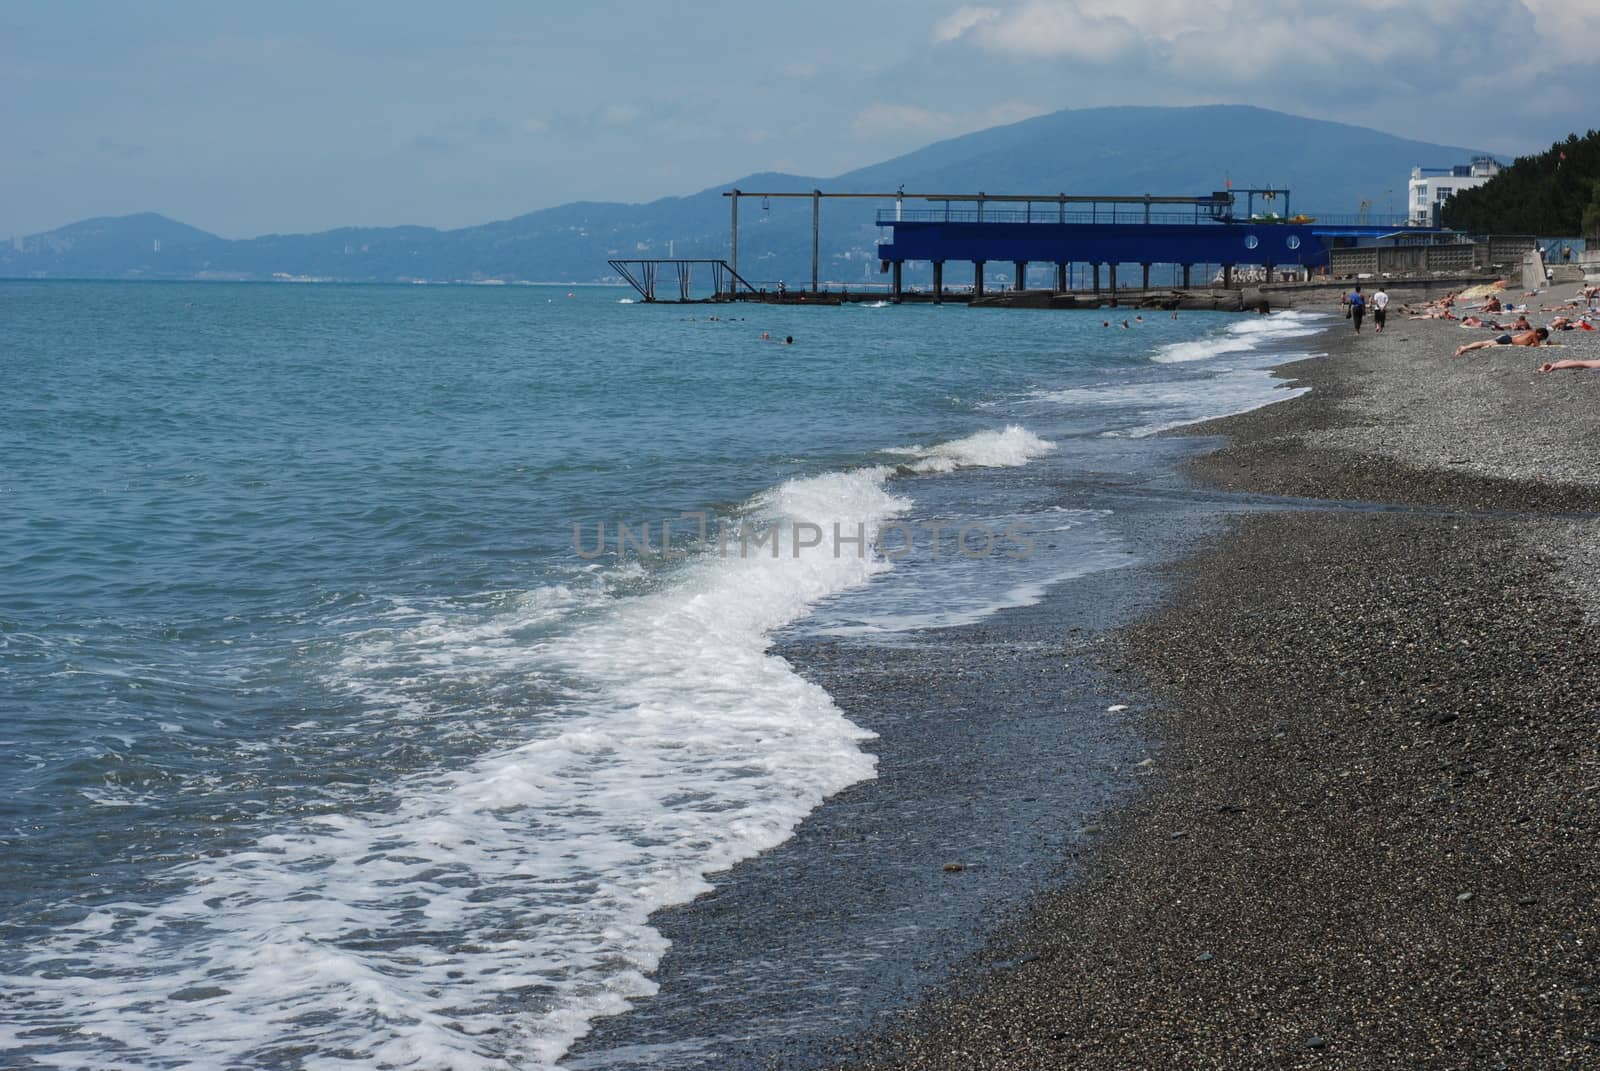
(1380, 310)
(1357, 306)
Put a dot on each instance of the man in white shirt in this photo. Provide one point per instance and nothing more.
(1380, 308)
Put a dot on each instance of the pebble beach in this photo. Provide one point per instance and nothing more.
(1369, 834)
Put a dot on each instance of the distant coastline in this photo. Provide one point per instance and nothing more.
(1333, 167)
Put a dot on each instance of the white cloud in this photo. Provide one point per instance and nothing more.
(1492, 73)
(1243, 41)
(534, 126)
(619, 114)
(1079, 29)
(1569, 28)
(961, 22)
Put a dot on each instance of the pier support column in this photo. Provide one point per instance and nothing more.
(1061, 278)
(977, 278)
(1021, 281)
(938, 282)
(897, 289)
(816, 230)
(1146, 268)
(1113, 280)
(1227, 277)
(1097, 277)
(1268, 268)
(1186, 268)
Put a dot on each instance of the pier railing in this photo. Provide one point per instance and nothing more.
(1398, 221)
(1041, 214)
(1112, 213)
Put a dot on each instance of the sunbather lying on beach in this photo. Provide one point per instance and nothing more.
(1552, 366)
(1435, 312)
(1535, 337)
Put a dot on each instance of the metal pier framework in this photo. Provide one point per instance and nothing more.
(642, 275)
(1102, 232)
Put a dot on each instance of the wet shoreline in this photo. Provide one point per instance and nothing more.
(1348, 820)
(1371, 838)
(996, 755)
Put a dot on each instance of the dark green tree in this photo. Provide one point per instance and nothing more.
(1547, 194)
(1591, 215)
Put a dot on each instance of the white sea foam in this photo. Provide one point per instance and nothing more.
(481, 917)
(1198, 386)
(1013, 446)
(1144, 409)
(1240, 403)
(1243, 336)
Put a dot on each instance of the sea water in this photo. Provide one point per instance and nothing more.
(375, 660)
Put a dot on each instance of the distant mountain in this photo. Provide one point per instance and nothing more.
(1331, 167)
(114, 245)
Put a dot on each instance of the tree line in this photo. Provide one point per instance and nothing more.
(1555, 193)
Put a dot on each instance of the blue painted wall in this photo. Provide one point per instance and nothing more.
(1110, 243)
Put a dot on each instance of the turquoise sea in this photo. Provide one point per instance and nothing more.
(351, 714)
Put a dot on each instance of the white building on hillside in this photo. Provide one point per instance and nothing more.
(1433, 186)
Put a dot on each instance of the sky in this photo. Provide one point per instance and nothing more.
(294, 117)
